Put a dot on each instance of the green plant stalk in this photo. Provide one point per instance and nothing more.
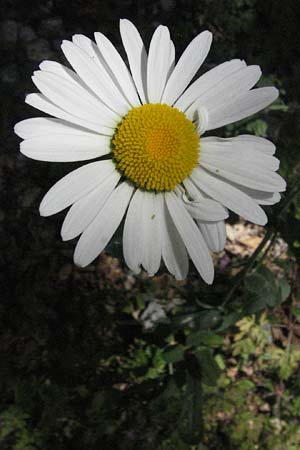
(269, 236)
(241, 275)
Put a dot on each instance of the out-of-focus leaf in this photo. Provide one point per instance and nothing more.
(190, 423)
(199, 319)
(174, 354)
(210, 370)
(265, 290)
(258, 127)
(285, 289)
(197, 338)
(229, 320)
(220, 361)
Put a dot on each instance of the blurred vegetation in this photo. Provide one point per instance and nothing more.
(100, 359)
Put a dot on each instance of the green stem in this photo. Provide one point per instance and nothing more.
(269, 236)
(289, 198)
(271, 242)
(240, 276)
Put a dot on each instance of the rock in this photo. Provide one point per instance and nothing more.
(8, 34)
(56, 44)
(39, 50)
(9, 74)
(168, 5)
(152, 314)
(30, 197)
(52, 27)
(26, 34)
(45, 7)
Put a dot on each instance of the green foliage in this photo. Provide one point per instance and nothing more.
(147, 358)
(14, 429)
(252, 386)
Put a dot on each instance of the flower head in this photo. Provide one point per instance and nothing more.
(172, 186)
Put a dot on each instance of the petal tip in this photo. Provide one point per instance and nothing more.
(17, 129)
(209, 278)
(125, 23)
(274, 93)
(65, 43)
(42, 64)
(27, 98)
(43, 210)
(263, 221)
(76, 36)
(65, 236)
(79, 264)
(208, 33)
(78, 260)
(283, 185)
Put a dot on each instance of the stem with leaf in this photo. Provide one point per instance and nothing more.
(270, 237)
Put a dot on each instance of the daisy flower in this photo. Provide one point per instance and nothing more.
(172, 186)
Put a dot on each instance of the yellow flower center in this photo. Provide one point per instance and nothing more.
(156, 147)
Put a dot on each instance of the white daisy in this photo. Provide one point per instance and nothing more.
(172, 187)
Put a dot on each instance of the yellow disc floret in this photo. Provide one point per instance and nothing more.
(156, 147)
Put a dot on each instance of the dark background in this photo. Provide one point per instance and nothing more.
(63, 329)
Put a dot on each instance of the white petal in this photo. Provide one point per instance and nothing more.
(92, 50)
(214, 153)
(40, 102)
(229, 196)
(152, 211)
(191, 237)
(96, 79)
(246, 171)
(158, 64)
(65, 148)
(44, 126)
(65, 72)
(214, 234)
(74, 186)
(137, 56)
(171, 59)
(86, 209)
(260, 197)
(142, 232)
(62, 71)
(187, 66)
(241, 106)
(118, 68)
(271, 199)
(230, 87)
(74, 99)
(201, 119)
(243, 144)
(173, 249)
(207, 82)
(204, 208)
(88, 46)
(256, 143)
(94, 239)
(251, 176)
(132, 235)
